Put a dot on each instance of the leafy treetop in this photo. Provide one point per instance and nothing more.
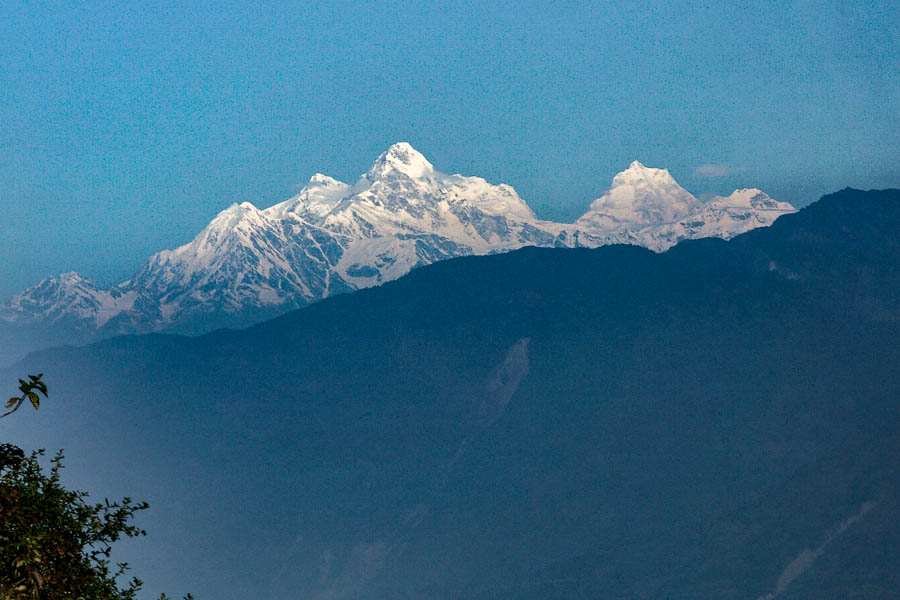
(54, 544)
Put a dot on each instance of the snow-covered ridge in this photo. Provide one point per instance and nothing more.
(70, 297)
(335, 237)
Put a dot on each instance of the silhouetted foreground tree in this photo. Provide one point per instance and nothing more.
(54, 544)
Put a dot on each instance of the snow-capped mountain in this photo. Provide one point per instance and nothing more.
(334, 237)
(726, 217)
(69, 299)
(639, 197)
(647, 207)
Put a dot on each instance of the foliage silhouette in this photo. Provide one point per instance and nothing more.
(54, 543)
(28, 393)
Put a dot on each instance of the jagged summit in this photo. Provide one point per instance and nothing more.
(231, 216)
(400, 158)
(70, 278)
(752, 198)
(332, 237)
(68, 298)
(638, 175)
(320, 179)
(315, 200)
(640, 196)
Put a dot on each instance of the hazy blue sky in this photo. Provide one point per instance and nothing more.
(125, 127)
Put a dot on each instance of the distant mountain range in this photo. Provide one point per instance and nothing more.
(248, 264)
(718, 420)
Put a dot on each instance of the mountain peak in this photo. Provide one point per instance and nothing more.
(316, 199)
(321, 180)
(231, 216)
(70, 278)
(640, 196)
(752, 198)
(636, 171)
(401, 158)
(332, 237)
(52, 298)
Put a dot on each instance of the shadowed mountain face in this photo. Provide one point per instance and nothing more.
(249, 265)
(717, 421)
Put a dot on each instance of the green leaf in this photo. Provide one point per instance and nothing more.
(35, 401)
(11, 402)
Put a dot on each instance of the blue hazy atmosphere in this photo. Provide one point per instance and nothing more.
(545, 423)
(124, 128)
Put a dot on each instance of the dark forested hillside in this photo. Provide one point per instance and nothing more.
(717, 421)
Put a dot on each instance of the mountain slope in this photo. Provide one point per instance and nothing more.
(715, 421)
(640, 197)
(332, 237)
